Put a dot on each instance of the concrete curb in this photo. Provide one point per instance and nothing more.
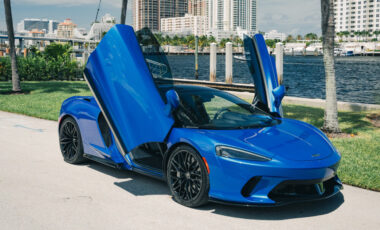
(317, 103)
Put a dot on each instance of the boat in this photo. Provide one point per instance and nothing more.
(240, 57)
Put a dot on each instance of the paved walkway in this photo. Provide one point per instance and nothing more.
(38, 190)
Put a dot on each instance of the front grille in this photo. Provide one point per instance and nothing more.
(298, 190)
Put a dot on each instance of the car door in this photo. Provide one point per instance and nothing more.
(268, 92)
(123, 86)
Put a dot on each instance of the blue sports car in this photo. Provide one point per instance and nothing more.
(208, 145)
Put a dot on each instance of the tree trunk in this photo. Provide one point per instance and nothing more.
(123, 11)
(331, 124)
(12, 50)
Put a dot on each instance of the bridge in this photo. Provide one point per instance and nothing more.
(81, 42)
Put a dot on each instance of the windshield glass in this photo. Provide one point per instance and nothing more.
(214, 109)
(154, 55)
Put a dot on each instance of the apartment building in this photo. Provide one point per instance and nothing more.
(357, 15)
(230, 17)
(189, 24)
(148, 13)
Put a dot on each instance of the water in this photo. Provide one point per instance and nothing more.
(358, 78)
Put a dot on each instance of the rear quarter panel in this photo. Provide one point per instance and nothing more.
(85, 111)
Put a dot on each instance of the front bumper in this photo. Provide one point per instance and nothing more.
(273, 183)
(335, 190)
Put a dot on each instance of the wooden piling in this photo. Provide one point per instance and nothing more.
(213, 62)
(196, 57)
(280, 61)
(229, 60)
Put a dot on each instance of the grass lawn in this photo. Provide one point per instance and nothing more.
(360, 165)
(41, 99)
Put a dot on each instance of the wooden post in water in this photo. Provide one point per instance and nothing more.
(196, 57)
(228, 63)
(280, 61)
(213, 62)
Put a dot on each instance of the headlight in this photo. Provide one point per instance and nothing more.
(229, 152)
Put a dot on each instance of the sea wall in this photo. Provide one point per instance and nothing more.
(317, 103)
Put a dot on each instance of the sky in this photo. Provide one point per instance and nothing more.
(290, 16)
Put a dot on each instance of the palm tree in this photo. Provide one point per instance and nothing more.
(237, 41)
(376, 33)
(331, 124)
(311, 36)
(357, 35)
(362, 34)
(289, 38)
(223, 42)
(190, 41)
(365, 34)
(11, 36)
(159, 38)
(211, 39)
(299, 37)
(340, 35)
(123, 11)
(203, 42)
(345, 34)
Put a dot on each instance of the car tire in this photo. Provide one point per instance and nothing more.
(70, 141)
(187, 177)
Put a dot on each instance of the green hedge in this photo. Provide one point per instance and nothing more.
(39, 68)
(54, 63)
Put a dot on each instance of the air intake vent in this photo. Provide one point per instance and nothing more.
(250, 185)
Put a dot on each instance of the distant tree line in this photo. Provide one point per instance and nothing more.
(359, 35)
(189, 41)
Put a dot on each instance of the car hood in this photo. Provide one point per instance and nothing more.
(291, 139)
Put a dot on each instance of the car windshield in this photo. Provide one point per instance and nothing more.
(214, 109)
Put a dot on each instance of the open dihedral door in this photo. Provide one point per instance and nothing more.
(268, 92)
(125, 90)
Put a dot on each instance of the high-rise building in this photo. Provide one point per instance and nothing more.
(66, 29)
(357, 15)
(43, 25)
(244, 15)
(230, 17)
(148, 13)
(197, 7)
(189, 24)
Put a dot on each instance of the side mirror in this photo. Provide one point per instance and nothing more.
(278, 94)
(173, 101)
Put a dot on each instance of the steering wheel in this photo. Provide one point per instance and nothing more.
(217, 114)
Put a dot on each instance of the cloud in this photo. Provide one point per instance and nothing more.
(290, 17)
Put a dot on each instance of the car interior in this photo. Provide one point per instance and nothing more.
(147, 155)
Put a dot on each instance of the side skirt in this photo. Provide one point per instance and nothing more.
(103, 161)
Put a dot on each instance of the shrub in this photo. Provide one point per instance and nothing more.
(5, 69)
(53, 64)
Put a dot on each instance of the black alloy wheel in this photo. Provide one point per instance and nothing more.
(187, 177)
(70, 141)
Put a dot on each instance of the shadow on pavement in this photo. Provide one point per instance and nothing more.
(293, 211)
(140, 185)
(136, 184)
